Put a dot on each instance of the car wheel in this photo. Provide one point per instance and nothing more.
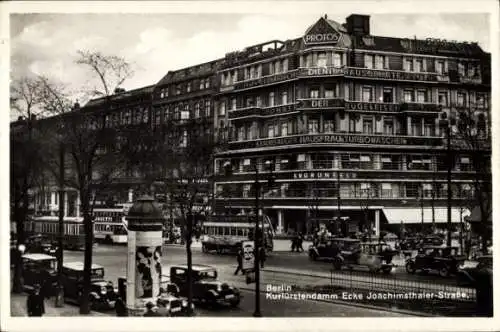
(313, 256)
(236, 302)
(337, 264)
(387, 269)
(410, 268)
(444, 272)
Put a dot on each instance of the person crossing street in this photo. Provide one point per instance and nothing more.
(239, 258)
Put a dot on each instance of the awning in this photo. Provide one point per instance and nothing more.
(414, 215)
(476, 215)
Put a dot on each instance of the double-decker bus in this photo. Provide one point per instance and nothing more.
(226, 233)
(110, 225)
(74, 233)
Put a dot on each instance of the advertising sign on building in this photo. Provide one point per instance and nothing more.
(322, 33)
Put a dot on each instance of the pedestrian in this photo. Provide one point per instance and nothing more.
(239, 259)
(294, 242)
(35, 303)
(300, 239)
(120, 308)
(262, 256)
(150, 310)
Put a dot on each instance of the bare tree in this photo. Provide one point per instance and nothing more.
(473, 138)
(26, 158)
(92, 144)
(314, 203)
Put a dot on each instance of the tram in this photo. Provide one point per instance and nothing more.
(225, 234)
(110, 225)
(74, 233)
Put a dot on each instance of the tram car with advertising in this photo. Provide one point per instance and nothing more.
(225, 234)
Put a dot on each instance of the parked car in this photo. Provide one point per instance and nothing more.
(206, 288)
(468, 271)
(444, 260)
(377, 256)
(40, 244)
(40, 269)
(102, 293)
(330, 247)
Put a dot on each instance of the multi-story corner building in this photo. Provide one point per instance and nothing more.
(349, 124)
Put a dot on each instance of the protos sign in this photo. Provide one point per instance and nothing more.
(319, 38)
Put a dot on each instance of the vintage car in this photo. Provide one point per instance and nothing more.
(330, 247)
(221, 244)
(377, 256)
(206, 288)
(167, 301)
(40, 269)
(468, 271)
(102, 293)
(444, 260)
(40, 244)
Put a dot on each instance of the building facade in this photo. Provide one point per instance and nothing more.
(352, 126)
(349, 125)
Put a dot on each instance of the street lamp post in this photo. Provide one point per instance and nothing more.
(446, 124)
(59, 294)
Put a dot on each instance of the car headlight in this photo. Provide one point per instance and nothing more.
(167, 306)
(103, 290)
(184, 303)
(219, 288)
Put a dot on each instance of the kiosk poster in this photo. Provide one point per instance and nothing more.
(148, 271)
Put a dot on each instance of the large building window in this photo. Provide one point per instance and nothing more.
(222, 108)
(461, 68)
(388, 126)
(419, 162)
(367, 93)
(185, 115)
(429, 128)
(284, 98)
(197, 110)
(480, 100)
(365, 162)
(258, 101)
(387, 191)
(284, 129)
(461, 99)
(367, 125)
(443, 98)
(233, 104)
(419, 65)
(421, 96)
(390, 162)
(416, 127)
(369, 61)
(408, 95)
(337, 60)
(408, 65)
(329, 91)
(352, 123)
(248, 165)
(241, 133)
(388, 95)
(329, 126)
(270, 131)
(321, 59)
(207, 108)
(271, 99)
(314, 93)
(301, 161)
(440, 67)
(379, 62)
(313, 126)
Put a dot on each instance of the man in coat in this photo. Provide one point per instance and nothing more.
(239, 258)
(35, 303)
(120, 308)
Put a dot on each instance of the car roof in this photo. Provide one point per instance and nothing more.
(38, 257)
(79, 266)
(196, 267)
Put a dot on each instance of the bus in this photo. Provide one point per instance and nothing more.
(110, 225)
(74, 233)
(226, 233)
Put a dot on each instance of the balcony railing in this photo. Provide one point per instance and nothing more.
(420, 107)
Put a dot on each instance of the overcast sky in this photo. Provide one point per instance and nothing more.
(156, 43)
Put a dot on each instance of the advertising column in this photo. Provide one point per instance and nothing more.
(145, 223)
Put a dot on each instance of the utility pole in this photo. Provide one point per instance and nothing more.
(257, 312)
(60, 290)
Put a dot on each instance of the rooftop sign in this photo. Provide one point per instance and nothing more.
(321, 33)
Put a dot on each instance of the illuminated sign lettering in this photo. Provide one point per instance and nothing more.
(336, 139)
(375, 107)
(321, 103)
(324, 175)
(322, 38)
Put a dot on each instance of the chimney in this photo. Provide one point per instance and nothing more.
(358, 25)
(76, 107)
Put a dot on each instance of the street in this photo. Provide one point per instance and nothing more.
(114, 259)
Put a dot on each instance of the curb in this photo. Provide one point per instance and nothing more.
(363, 306)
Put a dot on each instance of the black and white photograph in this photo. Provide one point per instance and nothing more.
(240, 161)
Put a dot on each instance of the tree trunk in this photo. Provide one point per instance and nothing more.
(20, 215)
(87, 260)
(189, 238)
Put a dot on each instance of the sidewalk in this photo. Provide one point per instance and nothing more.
(18, 308)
